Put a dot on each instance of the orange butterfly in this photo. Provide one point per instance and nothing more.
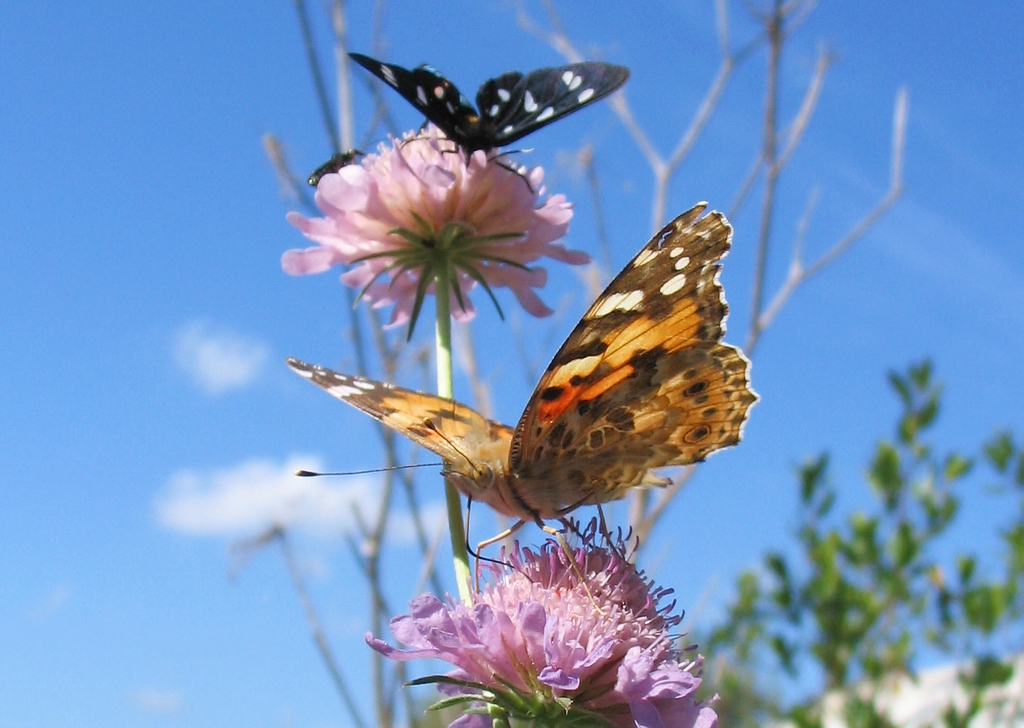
(642, 382)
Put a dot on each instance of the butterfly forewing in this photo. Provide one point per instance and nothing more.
(424, 87)
(643, 381)
(455, 432)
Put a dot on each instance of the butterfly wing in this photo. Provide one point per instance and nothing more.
(461, 436)
(498, 96)
(513, 106)
(431, 93)
(643, 381)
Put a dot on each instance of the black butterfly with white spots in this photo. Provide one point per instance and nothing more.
(510, 106)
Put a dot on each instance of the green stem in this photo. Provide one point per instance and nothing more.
(442, 285)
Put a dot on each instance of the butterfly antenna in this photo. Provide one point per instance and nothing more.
(313, 474)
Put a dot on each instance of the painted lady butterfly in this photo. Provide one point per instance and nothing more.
(642, 382)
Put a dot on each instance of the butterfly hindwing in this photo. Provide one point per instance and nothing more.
(498, 96)
(643, 381)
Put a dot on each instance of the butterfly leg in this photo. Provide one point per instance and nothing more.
(568, 525)
(494, 539)
(606, 534)
(517, 171)
(484, 544)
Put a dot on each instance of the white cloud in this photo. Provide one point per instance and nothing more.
(156, 700)
(218, 360)
(253, 495)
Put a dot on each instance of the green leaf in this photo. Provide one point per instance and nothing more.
(885, 473)
(901, 386)
(905, 545)
(921, 374)
(990, 671)
(777, 565)
(966, 566)
(1000, 450)
(1014, 539)
(812, 477)
(926, 415)
(956, 467)
(982, 607)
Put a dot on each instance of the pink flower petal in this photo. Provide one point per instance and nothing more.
(537, 630)
(310, 260)
(422, 184)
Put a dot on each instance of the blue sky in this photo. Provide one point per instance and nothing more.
(148, 418)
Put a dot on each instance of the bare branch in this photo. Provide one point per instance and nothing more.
(798, 274)
(645, 523)
(800, 11)
(807, 107)
(326, 115)
(291, 185)
(769, 157)
(427, 573)
(278, 533)
(467, 360)
(346, 133)
(801, 229)
(746, 186)
(722, 26)
(661, 167)
(625, 113)
(586, 159)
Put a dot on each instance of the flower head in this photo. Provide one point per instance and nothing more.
(581, 643)
(418, 206)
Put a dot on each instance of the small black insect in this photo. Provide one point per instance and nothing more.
(511, 105)
(334, 164)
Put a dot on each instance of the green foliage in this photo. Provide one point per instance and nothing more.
(868, 592)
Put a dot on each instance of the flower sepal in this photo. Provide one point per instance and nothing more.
(510, 708)
(454, 249)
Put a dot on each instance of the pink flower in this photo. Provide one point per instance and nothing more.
(559, 644)
(420, 204)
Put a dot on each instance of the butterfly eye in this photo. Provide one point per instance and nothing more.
(484, 475)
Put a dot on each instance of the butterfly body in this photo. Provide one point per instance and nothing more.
(507, 107)
(641, 383)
